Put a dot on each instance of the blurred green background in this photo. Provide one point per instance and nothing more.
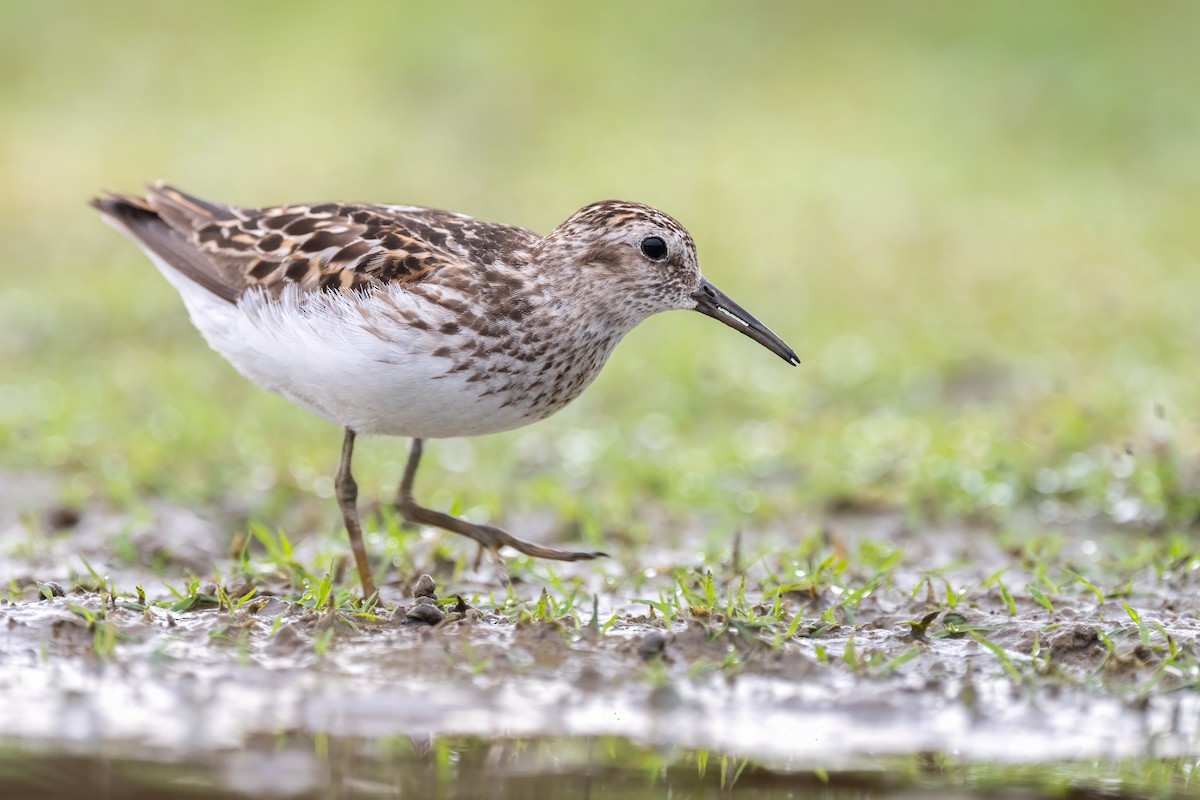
(977, 223)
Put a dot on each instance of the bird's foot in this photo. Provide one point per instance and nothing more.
(488, 537)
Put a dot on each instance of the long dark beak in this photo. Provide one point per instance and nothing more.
(712, 301)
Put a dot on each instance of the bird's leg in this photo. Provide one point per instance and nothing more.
(488, 537)
(347, 496)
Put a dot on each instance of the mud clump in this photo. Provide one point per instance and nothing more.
(425, 610)
(1077, 643)
(653, 645)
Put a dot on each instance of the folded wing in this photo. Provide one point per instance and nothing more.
(330, 246)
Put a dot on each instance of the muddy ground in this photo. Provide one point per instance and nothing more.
(846, 677)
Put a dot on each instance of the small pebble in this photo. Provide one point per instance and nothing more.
(62, 517)
(56, 590)
(425, 587)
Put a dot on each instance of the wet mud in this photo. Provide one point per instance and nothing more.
(823, 678)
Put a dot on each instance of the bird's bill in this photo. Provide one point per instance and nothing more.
(712, 301)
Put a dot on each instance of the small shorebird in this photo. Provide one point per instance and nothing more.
(407, 321)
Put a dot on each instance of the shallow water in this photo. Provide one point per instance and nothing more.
(333, 703)
(468, 767)
(174, 691)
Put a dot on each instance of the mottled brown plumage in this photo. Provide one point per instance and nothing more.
(316, 247)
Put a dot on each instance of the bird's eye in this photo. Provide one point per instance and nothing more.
(654, 248)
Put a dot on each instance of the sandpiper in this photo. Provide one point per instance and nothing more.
(408, 321)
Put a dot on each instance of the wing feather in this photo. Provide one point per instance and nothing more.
(328, 246)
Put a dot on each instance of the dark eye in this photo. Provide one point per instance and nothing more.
(654, 248)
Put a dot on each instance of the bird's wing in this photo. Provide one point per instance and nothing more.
(327, 246)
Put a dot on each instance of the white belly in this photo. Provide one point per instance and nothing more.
(321, 352)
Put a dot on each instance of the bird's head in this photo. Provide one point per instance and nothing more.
(633, 261)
